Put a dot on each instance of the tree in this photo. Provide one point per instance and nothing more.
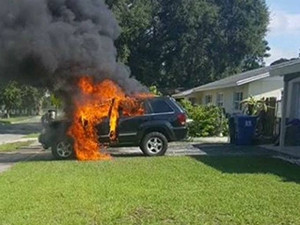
(281, 60)
(55, 101)
(185, 43)
(153, 90)
(32, 98)
(134, 16)
(11, 97)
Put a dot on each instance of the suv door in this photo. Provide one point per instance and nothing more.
(103, 131)
(129, 125)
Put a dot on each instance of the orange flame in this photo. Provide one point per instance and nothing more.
(96, 102)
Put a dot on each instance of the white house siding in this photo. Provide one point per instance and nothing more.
(228, 94)
(268, 87)
(195, 98)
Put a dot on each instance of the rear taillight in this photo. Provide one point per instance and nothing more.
(181, 119)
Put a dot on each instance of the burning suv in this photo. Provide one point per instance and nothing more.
(163, 121)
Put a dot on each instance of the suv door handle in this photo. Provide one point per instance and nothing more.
(144, 119)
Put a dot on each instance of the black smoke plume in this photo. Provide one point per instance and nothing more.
(48, 43)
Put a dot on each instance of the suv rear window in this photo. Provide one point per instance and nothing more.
(160, 106)
(178, 105)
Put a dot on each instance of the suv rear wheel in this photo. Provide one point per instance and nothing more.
(63, 149)
(154, 144)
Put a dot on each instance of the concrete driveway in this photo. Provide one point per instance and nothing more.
(36, 153)
(10, 133)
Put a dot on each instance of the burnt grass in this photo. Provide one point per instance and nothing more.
(139, 190)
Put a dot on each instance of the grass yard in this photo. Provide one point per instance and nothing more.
(33, 135)
(10, 147)
(18, 119)
(166, 190)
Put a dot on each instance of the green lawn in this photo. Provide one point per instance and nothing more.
(33, 135)
(14, 146)
(166, 190)
(15, 119)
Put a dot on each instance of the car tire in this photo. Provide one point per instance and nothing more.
(154, 144)
(45, 147)
(63, 149)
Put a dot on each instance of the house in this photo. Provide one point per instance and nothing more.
(230, 91)
(291, 98)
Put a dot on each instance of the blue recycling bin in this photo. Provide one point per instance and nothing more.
(232, 130)
(245, 129)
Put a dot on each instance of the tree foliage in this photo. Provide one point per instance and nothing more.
(32, 98)
(184, 43)
(134, 16)
(14, 96)
(11, 97)
(56, 101)
(153, 90)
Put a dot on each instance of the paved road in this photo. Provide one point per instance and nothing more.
(14, 132)
(36, 153)
(8, 138)
(21, 128)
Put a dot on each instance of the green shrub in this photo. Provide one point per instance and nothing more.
(207, 120)
(154, 90)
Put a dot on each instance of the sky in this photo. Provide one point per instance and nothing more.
(284, 29)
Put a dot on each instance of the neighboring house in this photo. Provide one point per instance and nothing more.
(291, 97)
(230, 91)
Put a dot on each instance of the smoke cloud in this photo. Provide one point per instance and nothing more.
(50, 42)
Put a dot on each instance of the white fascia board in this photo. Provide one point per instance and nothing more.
(183, 94)
(254, 78)
(215, 88)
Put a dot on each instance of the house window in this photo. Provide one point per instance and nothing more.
(220, 100)
(208, 99)
(192, 100)
(237, 98)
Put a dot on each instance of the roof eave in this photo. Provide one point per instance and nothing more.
(183, 94)
(288, 68)
(214, 88)
(252, 79)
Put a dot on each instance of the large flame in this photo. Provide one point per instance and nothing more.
(96, 102)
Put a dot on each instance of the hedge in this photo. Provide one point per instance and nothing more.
(207, 120)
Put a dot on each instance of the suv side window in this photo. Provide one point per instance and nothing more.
(161, 106)
(147, 107)
(144, 105)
